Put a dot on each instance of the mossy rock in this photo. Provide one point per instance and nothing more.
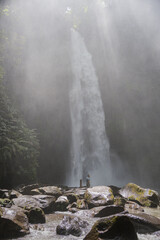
(144, 197)
(112, 228)
(5, 202)
(50, 190)
(120, 201)
(81, 204)
(1, 212)
(71, 197)
(35, 215)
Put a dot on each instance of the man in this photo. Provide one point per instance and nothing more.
(88, 181)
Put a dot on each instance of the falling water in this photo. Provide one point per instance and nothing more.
(90, 145)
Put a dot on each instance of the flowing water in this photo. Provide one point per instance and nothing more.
(90, 145)
(48, 231)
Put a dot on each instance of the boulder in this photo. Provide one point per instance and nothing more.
(102, 211)
(13, 194)
(35, 215)
(119, 201)
(79, 192)
(5, 202)
(13, 222)
(71, 197)
(3, 193)
(72, 207)
(143, 224)
(133, 207)
(145, 197)
(26, 190)
(61, 204)
(109, 210)
(115, 227)
(71, 225)
(25, 201)
(50, 190)
(99, 196)
(81, 204)
(115, 190)
(46, 203)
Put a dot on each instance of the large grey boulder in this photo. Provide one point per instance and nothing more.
(35, 215)
(109, 210)
(119, 227)
(61, 204)
(145, 197)
(143, 223)
(46, 203)
(50, 190)
(13, 222)
(71, 225)
(99, 196)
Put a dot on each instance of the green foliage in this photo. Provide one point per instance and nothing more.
(19, 146)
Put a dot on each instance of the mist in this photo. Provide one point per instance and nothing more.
(124, 42)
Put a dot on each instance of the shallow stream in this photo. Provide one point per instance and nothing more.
(47, 231)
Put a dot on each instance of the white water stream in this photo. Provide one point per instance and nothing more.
(90, 145)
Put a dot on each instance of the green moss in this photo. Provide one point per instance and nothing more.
(135, 189)
(1, 212)
(87, 196)
(99, 226)
(118, 201)
(5, 201)
(150, 192)
(81, 204)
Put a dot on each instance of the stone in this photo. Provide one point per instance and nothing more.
(13, 222)
(11, 194)
(115, 227)
(109, 210)
(144, 197)
(50, 190)
(71, 225)
(144, 223)
(35, 215)
(99, 196)
(71, 197)
(5, 202)
(115, 190)
(81, 204)
(131, 207)
(25, 201)
(26, 190)
(61, 204)
(3, 193)
(119, 201)
(79, 192)
(46, 203)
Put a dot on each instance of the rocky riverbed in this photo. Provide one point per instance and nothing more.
(101, 212)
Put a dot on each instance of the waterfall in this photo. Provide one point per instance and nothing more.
(90, 145)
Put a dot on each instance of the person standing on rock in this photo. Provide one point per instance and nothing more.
(88, 181)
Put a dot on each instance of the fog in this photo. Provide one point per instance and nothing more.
(123, 38)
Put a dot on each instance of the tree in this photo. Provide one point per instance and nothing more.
(19, 146)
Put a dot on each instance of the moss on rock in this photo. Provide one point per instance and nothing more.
(5, 202)
(145, 197)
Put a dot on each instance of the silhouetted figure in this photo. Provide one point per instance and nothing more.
(88, 181)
